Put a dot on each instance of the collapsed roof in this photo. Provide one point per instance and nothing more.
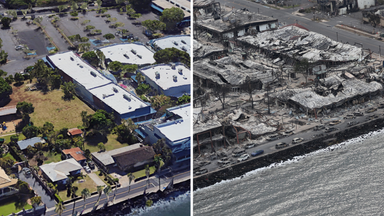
(298, 43)
(351, 88)
(202, 51)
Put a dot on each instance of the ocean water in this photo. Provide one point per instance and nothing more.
(345, 179)
(179, 206)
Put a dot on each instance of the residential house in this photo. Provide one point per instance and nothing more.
(75, 132)
(23, 144)
(58, 173)
(75, 153)
(6, 184)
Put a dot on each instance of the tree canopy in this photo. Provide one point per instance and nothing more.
(91, 57)
(30, 131)
(25, 107)
(172, 16)
(6, 21)
(5, 90)
(142, 5)
(115, 66)
(169, 55)
(154, 25)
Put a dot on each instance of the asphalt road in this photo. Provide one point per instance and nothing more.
(120, 193)
(269, 147)
(325, 28)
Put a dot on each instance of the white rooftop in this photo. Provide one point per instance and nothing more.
(164, 76)
(106, 157)
(181, 128)
(181, 42)
(129, 53)
(118, 98)
(60, 170)
(79, 70)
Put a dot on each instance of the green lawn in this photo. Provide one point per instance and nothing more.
(52, 157)
(8, 155)
(110, 143)
(102, 177)
(141, 173)
(88, 183)
(8, 137)
(50, 107)
(10, 205)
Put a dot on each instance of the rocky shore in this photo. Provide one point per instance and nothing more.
(287, 153)
(125, 208)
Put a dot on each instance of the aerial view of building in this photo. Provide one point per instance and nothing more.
(76, 83)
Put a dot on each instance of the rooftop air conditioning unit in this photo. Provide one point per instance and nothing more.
(173, 66)
(139, 56)
(115, 89)
(174, 42)
(182, 41)
(93, 74)
(174, 78)
(180, 71)
(133, 51)
(126, 56)
(184, 49)
(157, 74)
(126, 97)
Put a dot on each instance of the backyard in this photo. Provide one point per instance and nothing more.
(50, 107)
(87, 183)
(141, 173)
(110, 143)
(13, 205)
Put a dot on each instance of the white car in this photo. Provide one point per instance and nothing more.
(87, 169)
(250, 145)
(243, 157)
(297, 140)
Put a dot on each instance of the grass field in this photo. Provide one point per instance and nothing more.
(50, 107)
(52, 157)
(88, 183)
(8, 155)
(110, 143)
(141, 173)
(10, 205)
(8, 137)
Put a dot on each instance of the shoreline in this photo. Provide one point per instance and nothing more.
(126, 207)
(285, 154)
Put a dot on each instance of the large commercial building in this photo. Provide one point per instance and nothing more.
(175, 129)
(129, 53)
(180, 42)
(99, 91)
(172, 80)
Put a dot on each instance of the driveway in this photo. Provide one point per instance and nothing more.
(96, 179)
(39, 190)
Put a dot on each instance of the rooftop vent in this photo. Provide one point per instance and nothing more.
(133, 51)
(174, 78)
(71, 58)
(93, 74)
(180, 71)
(184, 49)
(126, 56)
(115, 90)
(182, 41)
(173, 66)
(174, 42)
(126, 97)
(139, 56)
(157, 74)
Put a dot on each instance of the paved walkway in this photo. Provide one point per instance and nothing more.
(96, 179)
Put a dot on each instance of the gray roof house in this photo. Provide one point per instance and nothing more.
(59, 172)
(23, 144)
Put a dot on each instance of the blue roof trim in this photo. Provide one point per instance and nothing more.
(154, 6)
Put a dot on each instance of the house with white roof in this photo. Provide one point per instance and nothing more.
(58, 173)
(129, 53)
(99, 91)
(180, 42)
(175, 129)
(172, 80)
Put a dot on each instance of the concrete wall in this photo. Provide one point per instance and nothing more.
(362, 4)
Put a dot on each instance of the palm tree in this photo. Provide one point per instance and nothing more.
(85, 193)
(160, 162)
(147, 172)
(101, 56)
(107, 190)
(99, 191)
(73, 190)
(59, 208)
(139, 77)
(114, 194)
(131, 178)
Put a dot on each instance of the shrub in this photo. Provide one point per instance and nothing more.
(74, 13)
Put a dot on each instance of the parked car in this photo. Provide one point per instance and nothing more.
(350, 116)
(288, 133)
(224, 159)
(257, 152)
(250, 145)
(237, 152)
(352, 123)
(87, 169)
(201, 171)
(91, 165)
(330, 129)
(297, 140)
(373, 117)
(371, 110)
(273, 137)
(358, 114)
(335, 122)
(243, 157)
(225, 163)
(26, 171)
(19, 47)
(281, 145)
(319, 127)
